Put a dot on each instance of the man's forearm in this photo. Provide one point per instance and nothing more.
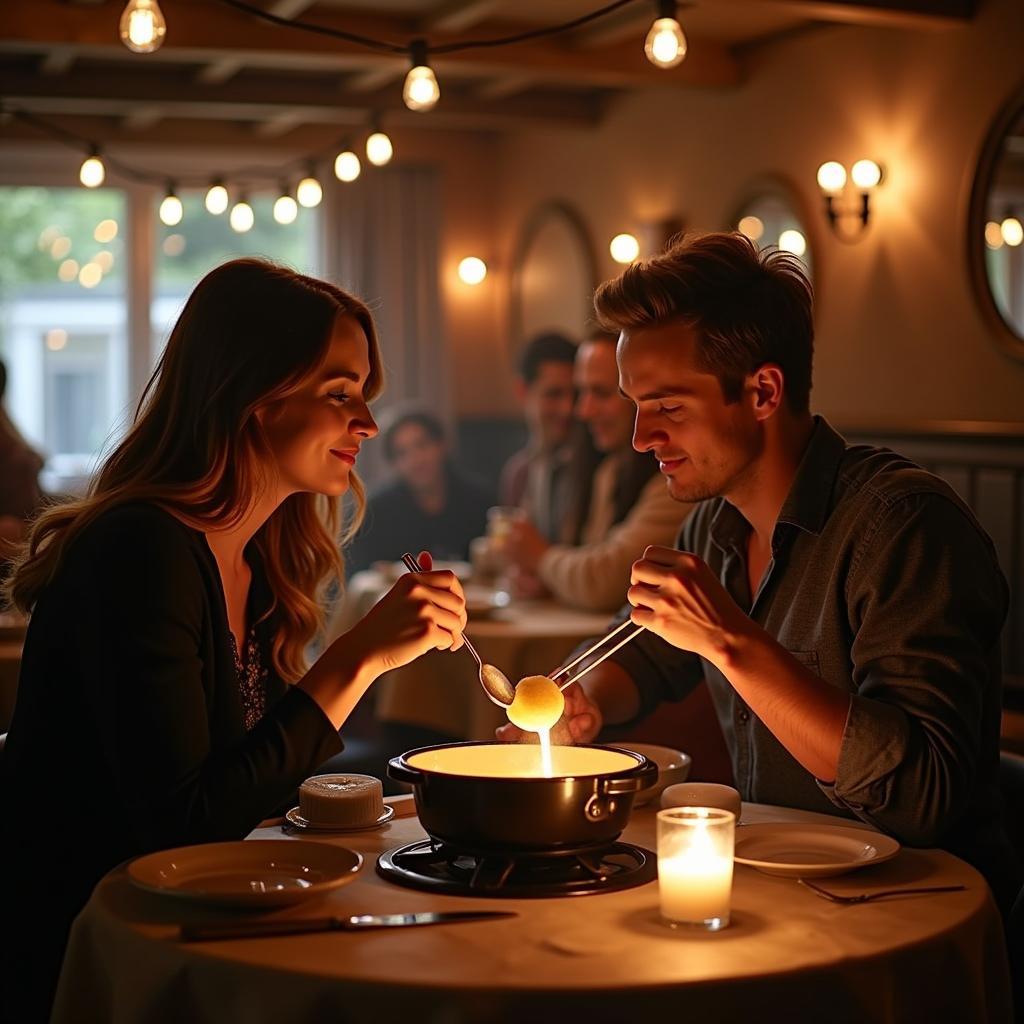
(805, 714)
(612, 689)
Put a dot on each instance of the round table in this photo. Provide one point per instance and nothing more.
(787, 955)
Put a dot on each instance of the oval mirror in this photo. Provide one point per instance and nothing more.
(996, 228)
(771, 217)
(554, 275)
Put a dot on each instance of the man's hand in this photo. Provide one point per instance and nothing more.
(580, 722)
(675, 595)
(524, 546)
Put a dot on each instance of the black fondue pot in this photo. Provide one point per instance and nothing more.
(496, 812)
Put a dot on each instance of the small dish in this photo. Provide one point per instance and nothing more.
(483, 601)
(251, 874)
(298, 821)
(793, 850)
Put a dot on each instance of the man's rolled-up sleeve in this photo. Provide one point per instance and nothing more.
(926, 603)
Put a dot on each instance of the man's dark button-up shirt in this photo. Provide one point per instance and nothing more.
(883, 584)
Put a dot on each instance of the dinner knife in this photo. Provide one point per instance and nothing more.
(358, 922)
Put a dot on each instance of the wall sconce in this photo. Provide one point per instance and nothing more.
(865, 176)
(472, 270)
(624, 248)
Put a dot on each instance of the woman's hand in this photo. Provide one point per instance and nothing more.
(423, 611)
(581, 721)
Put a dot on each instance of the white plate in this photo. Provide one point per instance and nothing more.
(811, 851)
(255, 873)
(296, 819)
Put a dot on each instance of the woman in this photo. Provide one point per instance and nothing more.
(164, 698)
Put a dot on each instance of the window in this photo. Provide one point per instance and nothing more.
(63, 322)
(202, 241)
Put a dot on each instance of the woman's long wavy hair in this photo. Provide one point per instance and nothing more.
(250, 334)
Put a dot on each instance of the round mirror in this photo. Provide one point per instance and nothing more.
(996, 228)
(554, 275)
(771, 217)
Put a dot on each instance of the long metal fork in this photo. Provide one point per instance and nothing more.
(867, 897)
(590, 650)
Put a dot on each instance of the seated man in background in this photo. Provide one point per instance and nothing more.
(617, 509)
(536, 478)
(843, 604)
(430, 505)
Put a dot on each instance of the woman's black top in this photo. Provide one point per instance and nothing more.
(129, 731)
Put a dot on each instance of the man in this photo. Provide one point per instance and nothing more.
(536, 478)
(430, 505)
(843, 605)
(618, 508)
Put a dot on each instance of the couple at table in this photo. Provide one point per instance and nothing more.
(844, 605)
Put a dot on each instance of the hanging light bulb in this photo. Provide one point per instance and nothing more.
(92, 172)
(171, 210)
(421, 91)
(346, 165)
(143, 26)
(217, 198)
(285, 208)
(379, 149)
(665, 45)
(309, 191)
(241, 216)
(472, 270)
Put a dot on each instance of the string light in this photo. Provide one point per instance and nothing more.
(421, 91)
(241, 217)
(171, 210)
(346, 165)
(217, 198)
(1012, 231)
(143, 26)
(665, 44)
(92, 172)
(379, 149)
(309, 191)
(285, 208)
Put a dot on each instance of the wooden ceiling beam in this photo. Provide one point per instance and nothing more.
(460, 15)
(898, 14)
(110, 94)
(200, 29)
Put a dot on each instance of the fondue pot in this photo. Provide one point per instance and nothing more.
(492, 797)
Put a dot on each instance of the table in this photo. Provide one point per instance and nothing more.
(788, 955)
(441, 690)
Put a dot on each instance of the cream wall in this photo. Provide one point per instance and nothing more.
(900, 335)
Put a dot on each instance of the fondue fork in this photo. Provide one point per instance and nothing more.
(590, 650)
(495, 683)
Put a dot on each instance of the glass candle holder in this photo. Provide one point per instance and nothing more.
(695, 857)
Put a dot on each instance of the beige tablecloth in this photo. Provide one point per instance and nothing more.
(788, 955)
(441, 690)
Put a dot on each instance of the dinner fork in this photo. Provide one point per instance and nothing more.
(866, 897)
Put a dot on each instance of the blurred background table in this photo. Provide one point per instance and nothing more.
(788, 955)
(441, 691)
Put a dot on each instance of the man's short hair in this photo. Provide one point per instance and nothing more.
(747, 306)
(401, 416)
(545, 348)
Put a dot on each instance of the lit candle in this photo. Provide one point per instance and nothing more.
(695, 856)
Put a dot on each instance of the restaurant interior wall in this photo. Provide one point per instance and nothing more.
(900, 334)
